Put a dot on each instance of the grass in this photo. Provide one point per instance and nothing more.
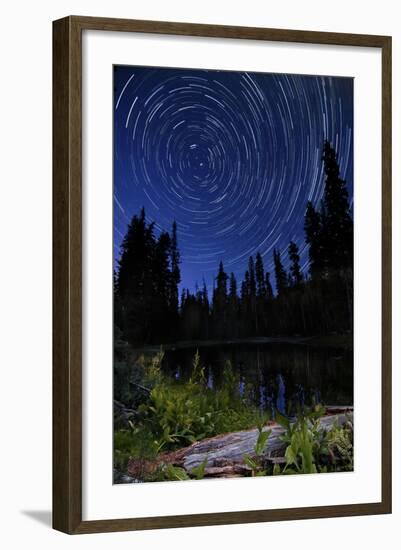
(176, 414)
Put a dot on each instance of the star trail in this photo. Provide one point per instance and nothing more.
(233, 157)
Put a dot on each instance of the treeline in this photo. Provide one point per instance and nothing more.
(146, 307)
(148, 310)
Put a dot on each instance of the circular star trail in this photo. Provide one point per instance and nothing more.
(233, 157)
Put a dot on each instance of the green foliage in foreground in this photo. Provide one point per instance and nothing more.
(310, 448)
(257, 462)
(176, 414)
(313, 449)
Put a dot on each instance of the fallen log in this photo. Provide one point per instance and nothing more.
(224, 453)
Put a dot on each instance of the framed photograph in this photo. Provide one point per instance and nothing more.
(222, 274)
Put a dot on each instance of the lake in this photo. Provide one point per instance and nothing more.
(273, 375)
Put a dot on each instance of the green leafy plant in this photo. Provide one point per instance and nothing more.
(256, 462)
(174, 473)
(311, 448)
(179, 413)
(154, 375)
(198, 371)
(199, 471)
(173, 413)
(339, 442)
(299, 453)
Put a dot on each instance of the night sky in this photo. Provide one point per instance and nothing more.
(233, 157)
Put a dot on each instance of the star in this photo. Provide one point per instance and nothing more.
(233, 157)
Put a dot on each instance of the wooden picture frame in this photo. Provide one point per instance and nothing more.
(67, 274)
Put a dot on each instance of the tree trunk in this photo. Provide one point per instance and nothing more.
(225, 453)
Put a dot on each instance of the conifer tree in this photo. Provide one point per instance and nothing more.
(220, 301)
(268, 286)
(329, 231)
(260, 276)
(338, 237)
(245, 287)
(296, 276)
(233, 287)
(314, 238)
(183, 298)
(205, 296)
(220, 291)
(175, 269)
(252, 278)
(161, 277)
(135, 279)
(281, 275)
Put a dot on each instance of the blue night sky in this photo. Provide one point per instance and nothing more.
(233, 157)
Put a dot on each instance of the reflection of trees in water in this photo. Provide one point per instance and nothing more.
(276, 375)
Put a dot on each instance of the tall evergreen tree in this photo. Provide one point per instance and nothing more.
(182, 301)
(268, 286)
(281, 275)
(252, 278)
(260, 276)
(245, 287)
(175, 269)
(135, 279)
(338, 237)
(221, 280)
(329, 232)
(205, 311)
(220, 291)
(233, 307)
(161, 277)
(220, 301)
(205, 295)
(295, 268)
(314, 238)
(233, 287)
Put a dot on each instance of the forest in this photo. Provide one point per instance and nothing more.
(150, 309)
(236, 412)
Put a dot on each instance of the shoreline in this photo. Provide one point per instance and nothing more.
(339, 341)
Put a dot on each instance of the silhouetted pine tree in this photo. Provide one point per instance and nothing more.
(182, 300)
(206, 311)
(314, 238)
(337, 226)
(220, 302)
(252, 278)
(135, 280)
(233, 287)
(268, 286)
(221, 288)
(245, 309)
(296, 277)
(205, 296)
(329, 232)
(280, 274)
(245, 288)
(260, 276)
(252, 296)
(175, 279)
(233, 307)
(161, 277)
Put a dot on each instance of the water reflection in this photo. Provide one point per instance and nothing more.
(280, 376)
